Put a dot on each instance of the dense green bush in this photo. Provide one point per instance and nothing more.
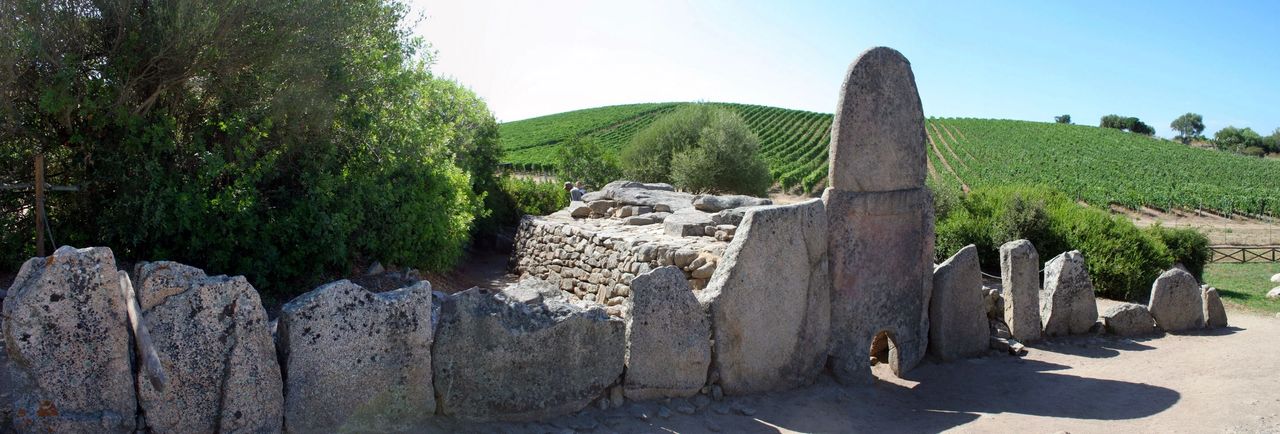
(289, 144)
(1123, 260)
(583, 159)
(522, 197)
(1187, 246)
(698, 148)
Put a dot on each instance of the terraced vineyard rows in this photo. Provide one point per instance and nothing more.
(1094, 165)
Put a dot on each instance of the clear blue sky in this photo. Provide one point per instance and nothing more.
(1016, 60)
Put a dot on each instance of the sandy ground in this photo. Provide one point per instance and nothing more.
(1217, 381)
(1236, 231)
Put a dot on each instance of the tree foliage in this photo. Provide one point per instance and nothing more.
(1237, 140)
(1189, 126)
(1130, 124)
(583, 159)
(701, 148)
(279, 141)
(1063, 119)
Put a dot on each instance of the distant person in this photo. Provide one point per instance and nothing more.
(576, 193)
(568, 188)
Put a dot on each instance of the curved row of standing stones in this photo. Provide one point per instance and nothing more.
(603, 313)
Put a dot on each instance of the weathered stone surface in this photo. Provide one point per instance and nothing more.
(732, 216)
(881, 250)
(769, 300)
(958, 325)
(687, 222)
(1020, 280)
(1215, 314)
(1067, 303)
(600, 207)
(67, 342)
(579, 210)
(711, 203)
(1129, 319)
(878, 137)
(1275, 278)
(668, 337)
(212, 337)
(510, 361)
(662, 197)
(530, 290)
(639, 220)
(1176, 301)
(1274, 293)
(357, 360)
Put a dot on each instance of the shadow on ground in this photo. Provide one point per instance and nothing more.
(933, 397)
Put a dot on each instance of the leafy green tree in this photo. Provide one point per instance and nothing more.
(283, 142)
(1064, 119)
(698, 148)
(1130, 124)
(1272, 142)
(1234, 139)
(1188, 126)
(582, 159)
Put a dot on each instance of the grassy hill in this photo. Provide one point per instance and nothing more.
(1095, 165)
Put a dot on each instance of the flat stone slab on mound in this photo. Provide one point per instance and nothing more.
(66, 335)
(688, 222)
(1215, 314)
(958, 325)
(711, 203)
(212, 337)
(1067, 303)
(1020, 281)
(878, 137)
(357, 360)
(668, 337)
(494, 360)
(1176, 301)
(655, 195)
(881, 250)
(769, 299)
(1129, 319)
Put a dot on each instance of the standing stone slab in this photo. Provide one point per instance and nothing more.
(881, 255)
(1215, 314)
(668, 337)
(357, 360)
(499, 360)
(1067, 303)
(1020, 278)
(1176, 301)
(769, 300)
(1129, 320)
(212, 337)
(878, 137)
(67, 342)
(958, 325)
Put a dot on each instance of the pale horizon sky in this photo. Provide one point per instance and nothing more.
(1009, 60)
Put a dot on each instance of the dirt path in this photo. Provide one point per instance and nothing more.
(1222, 381)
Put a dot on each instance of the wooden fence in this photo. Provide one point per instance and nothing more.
(1243, 254)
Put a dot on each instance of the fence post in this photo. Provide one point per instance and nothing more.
(39, 204)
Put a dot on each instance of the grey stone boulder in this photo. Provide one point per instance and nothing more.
(668, 337)
(212, 336)
(357, 360)
(662, 197)
(1176, 301)
(686, 222)
(710, 203)
(769, 300)
(1215, 314)
(1067, 303)
(601, 207)
(639, 220)
(1275, 278)
(1129, 320)
(66, 335)
(530, 290)
(958, 325)
(1274, 293)
(579, 210)
(878, 136)
(497, 360)
(1020, 280)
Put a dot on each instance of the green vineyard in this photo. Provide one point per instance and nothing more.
(1093, 165)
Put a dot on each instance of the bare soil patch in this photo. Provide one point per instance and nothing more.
(1235, 231)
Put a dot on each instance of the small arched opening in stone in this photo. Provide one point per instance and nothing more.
(884, 355)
